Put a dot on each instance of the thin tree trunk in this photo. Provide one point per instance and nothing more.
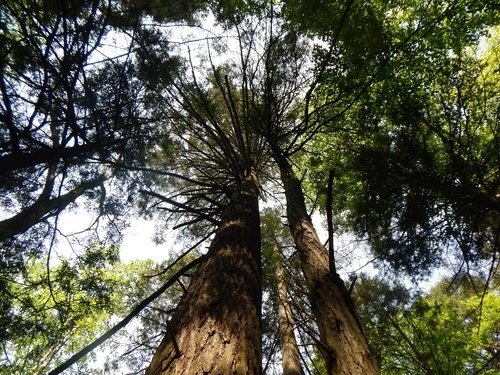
(47, 358)
(216, 328)
(289, 348)
(344, 345)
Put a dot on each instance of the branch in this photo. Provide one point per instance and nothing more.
(329, 216)
(152, 170)
(180, 205)
(44, 208)
(141, 306)
(25, 159)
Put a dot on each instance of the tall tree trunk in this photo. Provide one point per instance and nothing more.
(344, 345)
(216, 328)
(289, 348)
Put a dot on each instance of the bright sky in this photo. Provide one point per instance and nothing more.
(138, 243)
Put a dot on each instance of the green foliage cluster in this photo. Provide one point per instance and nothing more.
(49, 314)
(450, 330)
(164, 11)
(50, 311)
(416, 155)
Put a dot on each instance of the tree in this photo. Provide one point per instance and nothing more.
(72, 122)
(274, 274)
(203, 334)
(343, 344)
(418, 174)
(222, 305)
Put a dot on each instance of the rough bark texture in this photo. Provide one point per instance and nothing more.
(289, 348)
(345, 348)
(216, 328)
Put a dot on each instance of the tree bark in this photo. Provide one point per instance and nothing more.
(49, 356)
(216, 329)
(344, 345)
(289, 349)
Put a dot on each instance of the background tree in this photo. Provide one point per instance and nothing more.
(73, 120)
(73, 124)
(274, 240)
(51, 319)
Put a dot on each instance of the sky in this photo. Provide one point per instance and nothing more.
(138, 243)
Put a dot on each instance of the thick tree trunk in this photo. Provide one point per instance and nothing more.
(216, 328)
(289, 348)
(345, 348)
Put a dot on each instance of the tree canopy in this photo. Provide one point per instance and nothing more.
(381, 116)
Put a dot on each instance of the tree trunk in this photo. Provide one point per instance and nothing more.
(344, 345)
(52, 351)
(289, 348)
(216, 328)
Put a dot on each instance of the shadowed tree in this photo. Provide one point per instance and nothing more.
(216, 327)
(343, 344)
(273, 237)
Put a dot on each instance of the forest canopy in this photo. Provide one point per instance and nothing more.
(315, 161)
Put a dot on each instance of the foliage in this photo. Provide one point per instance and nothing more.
(50, 311)
(415, 156)
(46, 321)
(77, 127)
(437, 333)
(172, 11)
